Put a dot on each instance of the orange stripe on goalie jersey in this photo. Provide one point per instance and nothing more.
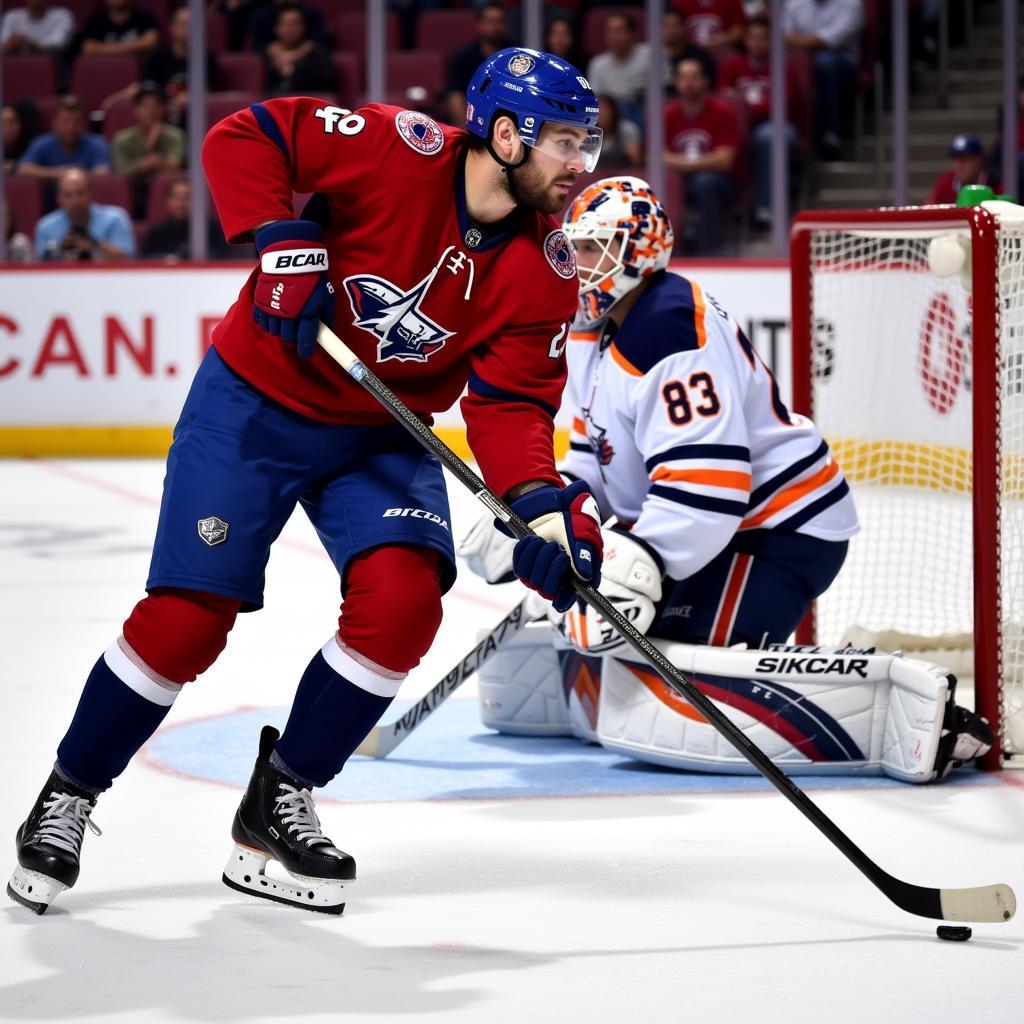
(585, 336)
(709, 477)
(578, 426)
(699, 312)
(623, 362)
(791, 495)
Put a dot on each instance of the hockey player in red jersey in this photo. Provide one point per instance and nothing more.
(434, 254)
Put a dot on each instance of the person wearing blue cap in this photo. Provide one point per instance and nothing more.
(966, 157)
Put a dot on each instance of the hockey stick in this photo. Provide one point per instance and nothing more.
(986, 903)
(384, 738)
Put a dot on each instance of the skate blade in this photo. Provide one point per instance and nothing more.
(33, 890)
(246, 871)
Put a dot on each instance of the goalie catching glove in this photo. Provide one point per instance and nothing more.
(631, 579)
(293, 293)
(566, 541)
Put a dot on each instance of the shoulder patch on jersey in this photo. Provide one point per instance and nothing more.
(419, 132)
(667, 320)
(559, 253)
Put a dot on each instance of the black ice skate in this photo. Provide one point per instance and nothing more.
(50, 843)
(276, 820)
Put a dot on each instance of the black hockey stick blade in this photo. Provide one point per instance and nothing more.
(981, 904)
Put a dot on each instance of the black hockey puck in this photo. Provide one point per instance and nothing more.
(952, 933)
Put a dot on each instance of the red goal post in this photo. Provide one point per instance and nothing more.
(937, 458)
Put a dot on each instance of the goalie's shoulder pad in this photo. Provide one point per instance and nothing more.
(667, 320)
(631, 563)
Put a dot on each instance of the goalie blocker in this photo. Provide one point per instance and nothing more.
(813, 710)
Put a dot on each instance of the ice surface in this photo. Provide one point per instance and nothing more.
(482, 897)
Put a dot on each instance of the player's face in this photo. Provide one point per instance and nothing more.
(545, 181)
(691, 84)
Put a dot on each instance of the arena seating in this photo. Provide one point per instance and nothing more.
(25, 78)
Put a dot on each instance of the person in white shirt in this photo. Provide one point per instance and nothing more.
(621, 70)
(726, 515)
(830, 31)
(36, 28)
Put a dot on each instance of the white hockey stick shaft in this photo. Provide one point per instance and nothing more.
(384, 738)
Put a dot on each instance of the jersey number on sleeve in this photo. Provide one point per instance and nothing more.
(341, 119)
(680, 399)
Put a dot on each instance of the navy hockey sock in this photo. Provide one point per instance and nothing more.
(331, 715)
(120, 708)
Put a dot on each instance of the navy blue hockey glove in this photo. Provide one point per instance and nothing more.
(566, 541)
(293, 293)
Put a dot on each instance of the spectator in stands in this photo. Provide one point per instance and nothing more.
(712, 23)
(36, 28)
(621, 70)
(561, 40)
(21, 125)
(830, 30)
(967, 167)
(82, 229)
(167, 65)
(678, 47)
(169, 240)
(238, 14)
(149, 146)
(491, 36)
(68, 145)
(622, 145)
(18, 244)
(702, 142)
(120, 29)
(296, 65)
(263, 27)
(747, 77)
(409, 12)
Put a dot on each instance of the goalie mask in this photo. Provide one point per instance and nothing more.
(630, 227)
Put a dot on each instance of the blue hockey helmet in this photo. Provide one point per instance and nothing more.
(533, 88)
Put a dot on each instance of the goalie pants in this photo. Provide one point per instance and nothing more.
(758, 588)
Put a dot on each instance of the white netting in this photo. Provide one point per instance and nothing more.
(892, 393)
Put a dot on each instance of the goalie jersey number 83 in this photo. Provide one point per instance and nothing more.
(681, 432)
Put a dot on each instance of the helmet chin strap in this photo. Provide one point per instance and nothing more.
(504, 164)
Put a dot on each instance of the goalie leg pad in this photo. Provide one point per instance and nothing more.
(536, 685)
(815, 711)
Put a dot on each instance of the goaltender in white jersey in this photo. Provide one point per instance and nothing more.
(727, 515)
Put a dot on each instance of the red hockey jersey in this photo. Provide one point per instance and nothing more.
(422, 296)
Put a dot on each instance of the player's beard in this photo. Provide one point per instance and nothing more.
(528, 187)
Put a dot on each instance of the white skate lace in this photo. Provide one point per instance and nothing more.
(64, 821)
(296, 810)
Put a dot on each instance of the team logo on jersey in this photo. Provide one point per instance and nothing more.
(395, 317)
(473, 238)
(419, 132)
(560, 254)
(597, 438)
(521, 65)
(213, 531)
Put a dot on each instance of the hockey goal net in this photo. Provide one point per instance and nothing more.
(913, 370)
